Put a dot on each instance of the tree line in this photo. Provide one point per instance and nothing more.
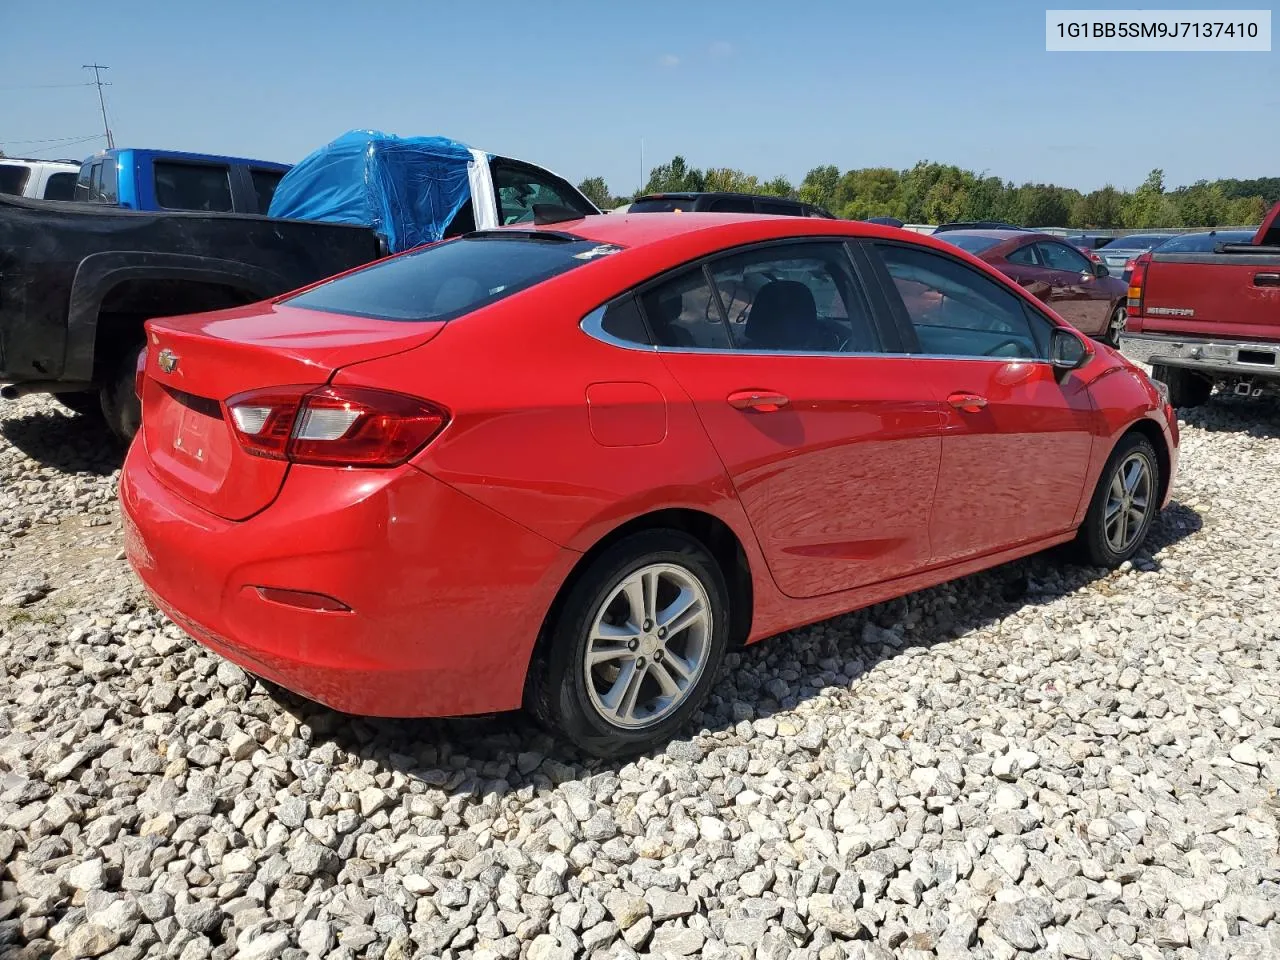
(937, 193)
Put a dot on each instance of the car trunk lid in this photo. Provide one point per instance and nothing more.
(195, 364)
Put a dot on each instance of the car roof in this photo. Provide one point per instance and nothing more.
(992, 234)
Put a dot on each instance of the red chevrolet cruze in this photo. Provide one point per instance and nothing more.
(569, 466)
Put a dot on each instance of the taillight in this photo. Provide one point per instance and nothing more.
(1128, 265)
(334, 426)
(1137, 279)
(140, 372)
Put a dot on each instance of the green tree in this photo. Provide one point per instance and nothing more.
(819, 187)
(1099, 209)
(1043, 205)
(597, 191)
(778, 187)
(1200, 205)
(1148, 206)
(1244, 211)
(870, 192)
(674, 177)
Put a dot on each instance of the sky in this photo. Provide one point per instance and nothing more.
(578, 87)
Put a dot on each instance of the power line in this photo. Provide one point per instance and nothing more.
(44, 86)
(78, 139)
(102, 101)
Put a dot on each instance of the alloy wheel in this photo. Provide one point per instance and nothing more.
(648, 645)
(1128, 502)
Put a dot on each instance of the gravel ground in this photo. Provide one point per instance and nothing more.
(1041, 760)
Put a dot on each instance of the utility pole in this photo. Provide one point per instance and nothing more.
(97, 79)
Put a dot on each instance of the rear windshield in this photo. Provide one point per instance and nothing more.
(967, 241)
(1137, 241)
(666, 205)
(13, 178)
(448, 279)
(1204, 242)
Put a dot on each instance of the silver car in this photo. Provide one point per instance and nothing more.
(1121, 250)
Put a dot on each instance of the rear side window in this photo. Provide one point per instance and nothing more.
(623, 320)
(103, 188)
(732, 205)
(82, 182)
(683, 313)
(13, 178)
(664, 205)
(60, 186)
(264, 186)
(779, 208)
(193, 186)
(1026, 256)
(449, 279)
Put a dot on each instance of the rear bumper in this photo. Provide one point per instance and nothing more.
(1219, 357)
(446, 595)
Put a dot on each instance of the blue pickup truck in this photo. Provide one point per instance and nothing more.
(171, 180)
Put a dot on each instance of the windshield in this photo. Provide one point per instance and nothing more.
(13, 178)
(446, 280)
(1204, 242)
(1137, 241)
(970, 242)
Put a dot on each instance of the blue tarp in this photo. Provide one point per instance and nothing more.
(405, 188)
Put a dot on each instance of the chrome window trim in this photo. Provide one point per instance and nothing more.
(592, 326)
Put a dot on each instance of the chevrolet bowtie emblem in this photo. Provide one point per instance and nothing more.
(168, 360)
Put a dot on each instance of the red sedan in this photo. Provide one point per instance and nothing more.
(569, 466)
(1077, 285)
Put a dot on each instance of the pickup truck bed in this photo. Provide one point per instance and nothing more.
(1205, 318)
(78, 279)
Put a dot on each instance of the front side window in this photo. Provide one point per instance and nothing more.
(1058, 256)
(193, 186)
(519, 187)
(682, 312)
(60, 186)
(794, 298)
(446, 280)
(957, 312)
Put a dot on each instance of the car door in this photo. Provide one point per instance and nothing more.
(832, 445)
(1080, 299)
(1017, 435)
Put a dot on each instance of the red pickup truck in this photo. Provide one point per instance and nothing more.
(1200, 319)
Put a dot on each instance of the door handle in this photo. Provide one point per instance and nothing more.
(967, 402)
(762, 401)
(1266, 279)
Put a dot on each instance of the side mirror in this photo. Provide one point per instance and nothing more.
(1066, 350)
(1100, 270)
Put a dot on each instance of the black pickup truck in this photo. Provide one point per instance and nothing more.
(77, 280)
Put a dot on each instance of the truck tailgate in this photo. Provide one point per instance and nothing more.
(1233, 295)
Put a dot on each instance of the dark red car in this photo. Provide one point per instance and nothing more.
(1080, 289)
(569, 466)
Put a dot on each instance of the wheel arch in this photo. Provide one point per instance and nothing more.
(114, 291)
(717, 536)
(1150, 430)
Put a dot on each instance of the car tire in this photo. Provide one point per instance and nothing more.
(1124, 505)
(1115, 327)
(1186, 387)
(87, 403)
(567, 694)
(120, 403)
